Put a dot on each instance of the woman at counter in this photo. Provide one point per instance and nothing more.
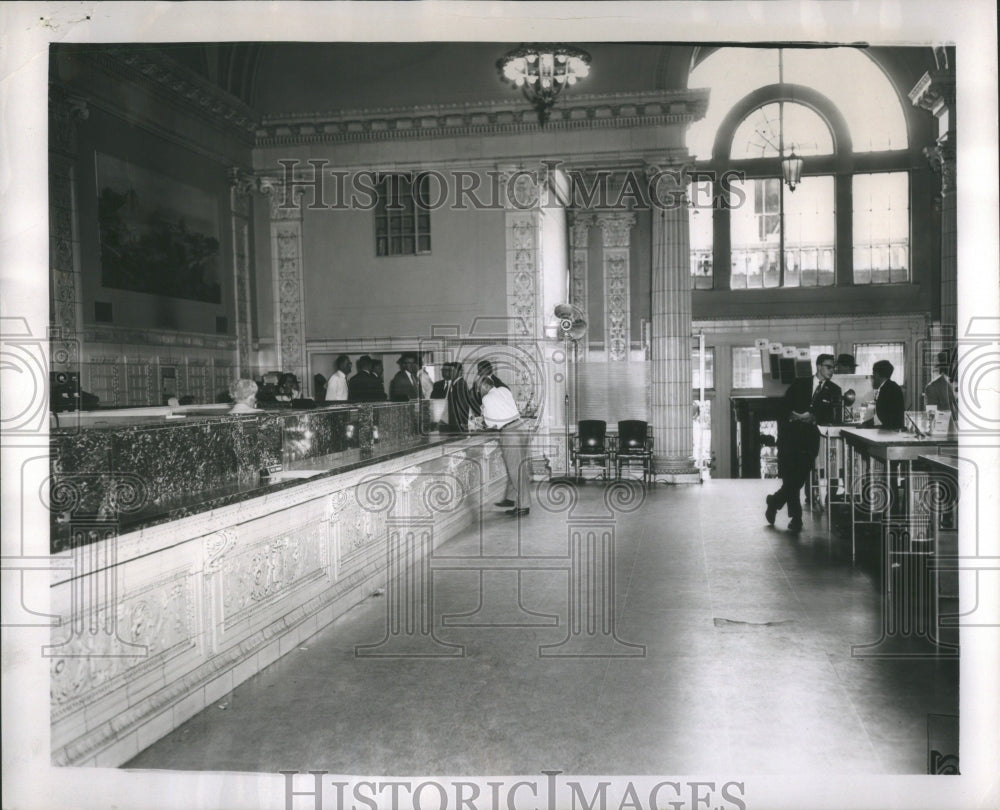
(244, 394)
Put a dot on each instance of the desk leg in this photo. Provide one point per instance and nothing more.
(852, 455)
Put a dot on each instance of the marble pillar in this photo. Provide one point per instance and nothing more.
(287, 275)
(616, 230)
(671, 395)
(66, 294)
(241, 187)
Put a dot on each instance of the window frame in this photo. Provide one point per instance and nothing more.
(844, 164)
(398, 221)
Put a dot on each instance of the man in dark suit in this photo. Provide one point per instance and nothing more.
(808, 402)
(889, 408)
(452, 387)
(939, 392)
(365, 386)
(405, 386)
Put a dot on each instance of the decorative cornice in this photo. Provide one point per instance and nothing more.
(157, 72)
(620, 110)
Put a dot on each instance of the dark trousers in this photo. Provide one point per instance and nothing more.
(794, 472)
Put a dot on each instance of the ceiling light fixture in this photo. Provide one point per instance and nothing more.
(541, 71)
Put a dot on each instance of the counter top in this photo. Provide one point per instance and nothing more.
(949, 463)
(173, 508)
(879, 437)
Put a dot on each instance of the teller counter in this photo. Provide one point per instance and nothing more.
(179, 571)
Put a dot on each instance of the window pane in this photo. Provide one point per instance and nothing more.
(866, 354)
(747, 372)
(755, 232)
(810, 226)
(402, 223)
(700, 228)
(760, 134)
(709, 368)
(881, 228)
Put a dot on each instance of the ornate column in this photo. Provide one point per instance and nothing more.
(579, 235)
(65, 296)
(521, 221)
(286, 274)
(242, 185)
(616, 231)
(935, 92)
(670, 372)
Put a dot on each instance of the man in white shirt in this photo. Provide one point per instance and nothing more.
(500, 413)
(336, 386)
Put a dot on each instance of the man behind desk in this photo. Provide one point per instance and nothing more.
(889, 409)
(808, 402)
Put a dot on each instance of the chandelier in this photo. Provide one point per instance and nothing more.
(541, 71)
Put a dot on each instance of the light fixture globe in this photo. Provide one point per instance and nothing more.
(541, 71)
(791, 170)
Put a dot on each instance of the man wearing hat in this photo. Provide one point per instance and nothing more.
(405, 386)
(939, 391)
(846, 364)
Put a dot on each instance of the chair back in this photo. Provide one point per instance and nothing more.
(591, 434)
(632, 435)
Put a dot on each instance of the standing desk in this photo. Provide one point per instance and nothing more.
(875, 458)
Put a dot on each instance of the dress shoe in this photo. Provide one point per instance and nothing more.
(506, 503)
(795, 525)
(518, 512)
(772, 511)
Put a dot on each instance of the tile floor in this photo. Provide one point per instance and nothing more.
(746, 661)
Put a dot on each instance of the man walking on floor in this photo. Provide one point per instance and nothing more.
(808, 402)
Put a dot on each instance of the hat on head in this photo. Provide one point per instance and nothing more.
(846, 361)
(405, 358)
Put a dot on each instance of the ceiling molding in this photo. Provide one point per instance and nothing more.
(178, 84)
(619, 110)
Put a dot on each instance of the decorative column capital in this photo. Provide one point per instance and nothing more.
(284, 197)
(520, 188)
(65, 110)
(675, 162)
(935, 92)
(580, 225)
(242, 181)
(616, 228)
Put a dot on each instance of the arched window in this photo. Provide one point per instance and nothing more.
(848, 216)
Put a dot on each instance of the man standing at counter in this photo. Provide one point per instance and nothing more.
(336, 386)
(500, 413)
(889, 409)
(808, 402)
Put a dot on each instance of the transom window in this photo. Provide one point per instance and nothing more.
(402, 218)
(795, 126)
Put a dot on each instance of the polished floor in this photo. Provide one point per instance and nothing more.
(734, 646)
